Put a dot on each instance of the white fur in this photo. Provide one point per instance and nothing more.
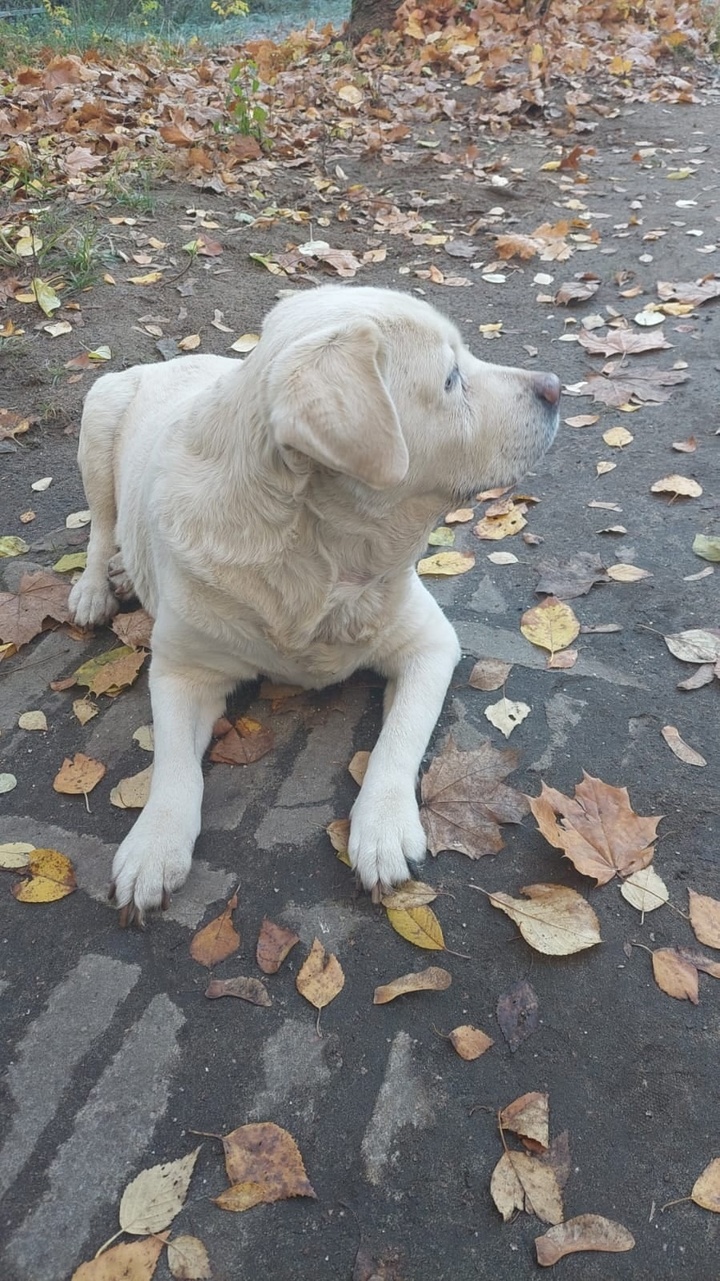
(269, 513)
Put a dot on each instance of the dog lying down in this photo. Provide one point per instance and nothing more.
(269, 513)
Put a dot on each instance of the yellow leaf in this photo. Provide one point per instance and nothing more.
(497, 527)
(552, 625)
(320, 978)
(617, 437)
(264, 1164)
(419, 925)
(446, 563)
(45, 296)
(409, 894)
(132, 793)
(470, 1042)
(78, 776)
(619, 66)
(11, 545)
(556, 921)
(522, 1182)
(112, 671)
(51, 878)
(706, 1190)
(433, 979)
(71, 561)
(150, 278)
(245, 342)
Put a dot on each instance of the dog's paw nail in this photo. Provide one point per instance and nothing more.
(165, 900)
(125, 916)
(111, 892)
(376, 892)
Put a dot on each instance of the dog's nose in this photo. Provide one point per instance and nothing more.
(547, 387)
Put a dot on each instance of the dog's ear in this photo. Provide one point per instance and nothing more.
(329, 401)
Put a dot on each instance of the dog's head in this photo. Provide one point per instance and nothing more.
(379, 386)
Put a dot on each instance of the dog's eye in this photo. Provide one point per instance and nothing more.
(452, 379)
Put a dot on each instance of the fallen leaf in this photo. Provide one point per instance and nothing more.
(576, 291)
(40, 596)
(11, 545)
(252, 990)
(689, 291)
(133, 793)
(566, 658)
(603, 468)
(619, 387)
(582, 420)
(131, 1261)
(111, 672)
(679, 486)
(14, 854)
(598, 830)
(33, 720)
(409, 894)
(645, 890)
(708, 548)
(245, 742)
(51, 878)
(585, 1232)
(460, 516)
(187, 1259)
(551, 625)
(680, 748)
(507, 714)
(339, 833)
(685, 446)
(522, 1182)
(70, 562)
(622, 573)
(274, 944)
(489, 674)
(13, 424)
(433, 979)
(419, 925)
(156, 1196)
(78, 776)
(45, 296)
(617, 437)
(529, 1117)
(502, 526)
(446, 563)
(77, 520)
(84, 710)
(465, 800)
(705, 918)
(698, 645)
(320, 978)
(622, 342)
(134, 629)
(557, 921)
(701, 676)
(7, 783)
(357, 768)
(218, 939)
(264, 1164)
(675, 976)
(245, 342)
(503, 558)
(441, 537)
(566, 579)
(706, 1189)
(150, 278)
(144, 737)
(517, 1014)
(470, 1042)
(191, 343)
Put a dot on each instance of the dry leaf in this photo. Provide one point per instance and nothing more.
(274, 943)
(680, 748)
(14, 855)
(78, 776)
(264, 1164)
(433, 979)
(705, 918)
(217, 940)
(645, 890)
(244, 743)
(133, 793)
(685, 446)
(603, 468)
(131, 1261)
(695, 646)
(446, 563)
(707, 547)
(33, 720)
(465, 800)
(566, 658)
(187, 1259)
(252, 990)
(507, 714)
(489, 674)
(84, 710)
(617, 437)
(522, 1182)
(679, 486)
(460, 516)
(156, 1196)
(517, 1014)
(339, 833)
(557, 921)
(502, 526)
(51, 878)
(701, 676)
(470, 1042)
(582, 420)
(706, 1189)
(622, 573)
(585, 1232)
(419, 925)
(567, 579)
(599, 831)
(134, 629)
(689, 291)
(675, 975)
(552, 625)
(357, 768)
(111, 672)
(529, 1116)
(622, 341)
(40, 596)
(320, 978)
(409, 894)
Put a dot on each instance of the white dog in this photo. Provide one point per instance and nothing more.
(268, 513)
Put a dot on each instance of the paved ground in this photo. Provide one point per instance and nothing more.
(113, 1054)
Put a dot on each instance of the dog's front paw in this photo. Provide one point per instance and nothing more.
(149, 865)
(386, 838)
(92, 601)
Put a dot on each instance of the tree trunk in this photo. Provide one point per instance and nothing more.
(369, 15)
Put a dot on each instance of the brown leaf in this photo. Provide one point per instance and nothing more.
(522, 1182)
(529, 1116)
(433, 979)
(554, 920)
(701, 676)
(706, 1189)
(689, 291)
(622, 386)
(263, 1164)
(680, 748)
(705, 918)
(465, 800)
(320, 978)
(586, 1232)
(13, 424)
(518, 1014)
(382, 1267)
(470, 1042)
(678, 486)
(339, 833)
(622, 341)
(252, 990)
(187, 1259)
(78, 776)
(246, 742)
(111, 672)
(134, 628)
(218, 939)
(274, 943)
(576, 291)
(599, 831)
(567, 579)
(358, 766)
(131, 1261)
(674, 975)
(701, 962)
(489, 674)
(40, 596)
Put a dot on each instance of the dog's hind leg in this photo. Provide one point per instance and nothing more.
(92, 600)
